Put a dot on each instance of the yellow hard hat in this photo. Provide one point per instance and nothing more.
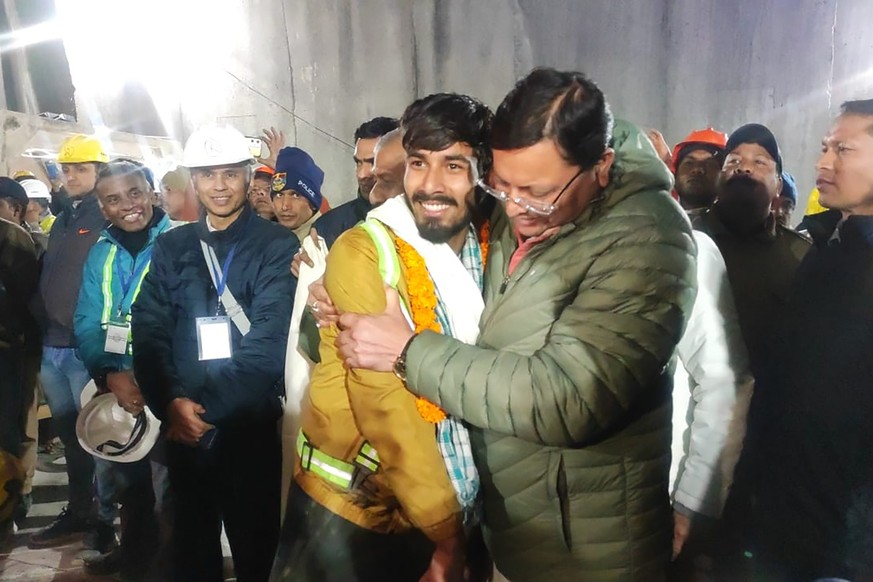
(23, 175)
(81, 149)
(813, 206)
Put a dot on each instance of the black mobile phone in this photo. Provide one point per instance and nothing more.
(208, 439)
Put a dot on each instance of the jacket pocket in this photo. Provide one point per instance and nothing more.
(562, 498)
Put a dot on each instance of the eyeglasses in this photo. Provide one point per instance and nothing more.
(528, 205)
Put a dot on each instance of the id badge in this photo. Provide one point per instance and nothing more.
(117, 334)
(213, 338)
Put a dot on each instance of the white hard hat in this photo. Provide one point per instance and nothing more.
(109, 432)
(216, 146)
(35, 189)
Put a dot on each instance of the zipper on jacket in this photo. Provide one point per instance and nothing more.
(503, 285)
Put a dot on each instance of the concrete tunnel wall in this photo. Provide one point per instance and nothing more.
(317, 69)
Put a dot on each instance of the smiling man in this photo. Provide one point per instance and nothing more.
(112, 277)
(386, 478)
(567, 390)
(209, 332)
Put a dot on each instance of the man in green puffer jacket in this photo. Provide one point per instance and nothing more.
(590, 280)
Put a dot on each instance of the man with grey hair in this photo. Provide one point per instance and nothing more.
(209, 330)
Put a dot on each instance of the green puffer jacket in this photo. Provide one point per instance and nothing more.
(569, 387)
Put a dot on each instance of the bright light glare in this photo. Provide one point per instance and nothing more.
(171, 47)
(23, 37)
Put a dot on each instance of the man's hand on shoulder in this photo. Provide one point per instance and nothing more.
(374, 342)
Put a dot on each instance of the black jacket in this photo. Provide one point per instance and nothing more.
(19, 276)
(178, 289)
(340, 219)
(760, 268)
(810, 423)
(73, 234)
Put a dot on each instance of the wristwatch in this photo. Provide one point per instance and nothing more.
(400, 363)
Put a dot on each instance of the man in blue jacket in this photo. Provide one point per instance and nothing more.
(209, 332)
(112, 277)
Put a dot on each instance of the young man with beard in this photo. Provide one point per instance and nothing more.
(696, 162)
(761, 255)
(385, 481)
(63, 374)
(343, 217)
(113, 273)
(209, 330)
(590, 279)
(810, 448)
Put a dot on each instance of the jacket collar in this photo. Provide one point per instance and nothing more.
(821, 226)
(716, 227)
(231, 233)
(158, 227)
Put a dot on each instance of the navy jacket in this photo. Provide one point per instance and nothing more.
(340, 219)
(809, 426)
(73, 234)
(178, 289)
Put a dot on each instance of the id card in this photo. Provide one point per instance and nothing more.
(117, 334)
(213, 338)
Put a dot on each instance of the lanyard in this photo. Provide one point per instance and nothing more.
(125, 281)
(220, 277)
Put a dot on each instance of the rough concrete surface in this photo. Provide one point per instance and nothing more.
(319, 68)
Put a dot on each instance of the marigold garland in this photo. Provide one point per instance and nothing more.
(423, 303)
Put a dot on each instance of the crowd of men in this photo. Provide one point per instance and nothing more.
(538, 344)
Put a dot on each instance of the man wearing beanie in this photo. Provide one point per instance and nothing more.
(13, 207)
(761, 255)
(296, 190)
(696, 163)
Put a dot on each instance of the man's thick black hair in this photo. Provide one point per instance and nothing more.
(376, 127)
(858, 107)
(125, 167)
(564, 106)
(437, 121)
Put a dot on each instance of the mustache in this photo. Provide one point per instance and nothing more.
(421, 197)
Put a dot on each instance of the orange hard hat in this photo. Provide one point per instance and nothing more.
(265, 170)
(704, 137)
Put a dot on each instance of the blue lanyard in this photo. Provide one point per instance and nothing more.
(127, 279)
(221, 277)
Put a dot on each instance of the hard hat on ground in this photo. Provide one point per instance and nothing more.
(709, 139)
(35, 189)
(11, 484)
(216, 146)
(109, 432)
(81, 149)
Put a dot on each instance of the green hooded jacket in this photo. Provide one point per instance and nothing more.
(568, 392)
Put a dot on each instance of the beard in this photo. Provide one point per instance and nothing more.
(434, 229)
(696, 192)
(743, 203)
